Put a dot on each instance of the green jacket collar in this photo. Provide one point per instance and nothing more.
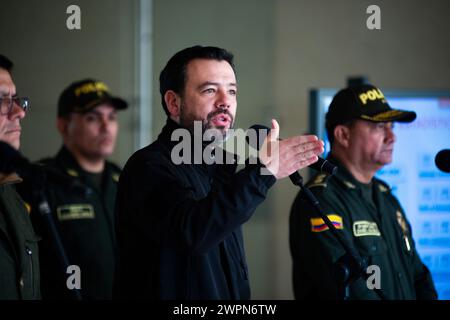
(348, 180)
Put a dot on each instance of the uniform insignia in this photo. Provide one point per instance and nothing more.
(319, 181)
(27, 206)
(383, 188)
(349, 185)
(365, 228)
(72, 172)
(75, 212)
(115, 177)
(401, 222)
(318, 225)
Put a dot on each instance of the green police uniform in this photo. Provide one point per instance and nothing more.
(372, 220)
(83, 210)
(19, 263)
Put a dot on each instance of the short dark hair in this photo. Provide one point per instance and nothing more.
(330, 130)
(173, 76)
(5, 63)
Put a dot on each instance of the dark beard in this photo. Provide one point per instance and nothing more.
(187, 121)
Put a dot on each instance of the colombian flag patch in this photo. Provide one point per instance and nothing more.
(318, 225)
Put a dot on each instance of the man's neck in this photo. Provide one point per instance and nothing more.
(89, 164)
(360, 172)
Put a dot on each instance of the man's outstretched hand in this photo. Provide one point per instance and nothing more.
(284, 157)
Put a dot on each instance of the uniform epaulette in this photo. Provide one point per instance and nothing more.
(383, 186)
(318, 181)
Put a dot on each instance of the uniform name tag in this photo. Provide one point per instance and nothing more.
(75, 212)
(365, 228)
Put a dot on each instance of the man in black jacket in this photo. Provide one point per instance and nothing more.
(179, 225)
(19, 263)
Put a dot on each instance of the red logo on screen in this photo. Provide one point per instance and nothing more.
(444, 103)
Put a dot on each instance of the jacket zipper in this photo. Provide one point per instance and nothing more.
(30, 255)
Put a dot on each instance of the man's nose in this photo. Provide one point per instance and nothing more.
(390, 135)
(223, 100)
(17, 112)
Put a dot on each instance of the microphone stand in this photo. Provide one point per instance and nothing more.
(350, 266)
(43, 206)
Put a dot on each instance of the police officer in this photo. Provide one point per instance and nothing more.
(359, 124)
(19, 262)
(81, 189)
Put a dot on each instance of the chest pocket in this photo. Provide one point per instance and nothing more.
(371, 246)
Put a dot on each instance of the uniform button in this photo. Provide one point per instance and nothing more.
(400, 275)
(21, 282)
(374, 248)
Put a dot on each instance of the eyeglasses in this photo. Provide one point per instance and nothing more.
(7, 103)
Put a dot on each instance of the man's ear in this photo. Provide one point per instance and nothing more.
(61, 125)
(342, 135)
(173, 103)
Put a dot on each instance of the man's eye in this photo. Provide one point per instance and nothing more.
(233, 92)
(90, 118)
(209, 90)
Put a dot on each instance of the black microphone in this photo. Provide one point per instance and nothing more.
(322, 165)
(442, 160)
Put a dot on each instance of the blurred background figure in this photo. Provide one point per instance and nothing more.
(81, 188)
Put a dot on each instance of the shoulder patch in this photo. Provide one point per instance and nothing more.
(365, 228)
(318, 225)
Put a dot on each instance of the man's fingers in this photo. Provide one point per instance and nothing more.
(308, 147)
(298, 140)
(301, 156)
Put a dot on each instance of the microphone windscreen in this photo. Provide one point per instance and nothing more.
(442, 160)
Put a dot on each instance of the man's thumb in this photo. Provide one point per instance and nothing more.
(275, 131)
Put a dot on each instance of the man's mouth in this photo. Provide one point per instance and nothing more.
(221, 120)
(14, 130)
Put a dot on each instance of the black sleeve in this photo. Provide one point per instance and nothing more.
(152, 200)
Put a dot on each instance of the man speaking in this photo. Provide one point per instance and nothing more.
(179, 225)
